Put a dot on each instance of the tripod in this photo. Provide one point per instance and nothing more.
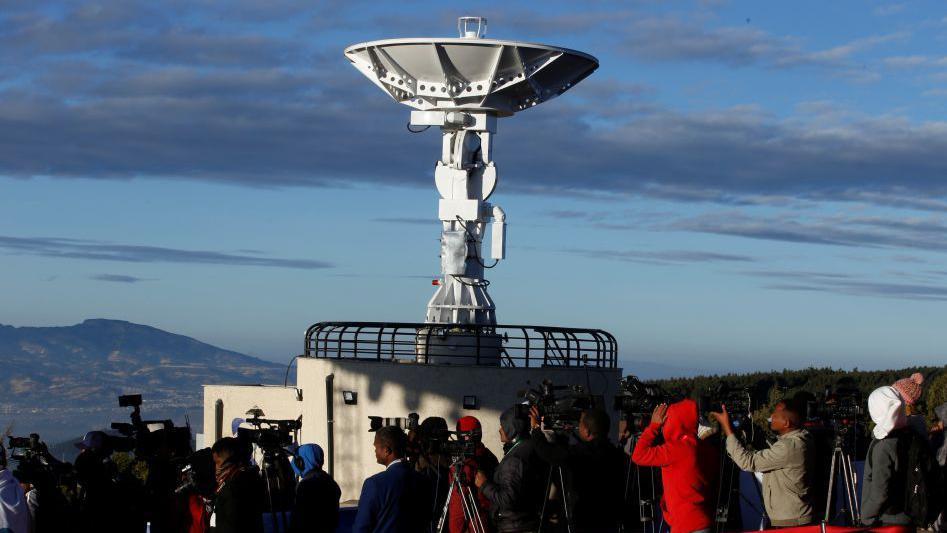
(276, 488)
(842, 457)
(467, 499)
(564, 496)
(646, 505)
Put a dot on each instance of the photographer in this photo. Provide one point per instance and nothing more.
(95, 477)
(516, 489)
(687, 500)
(594, 470)
(238, 504)
(431, 461)
(14, 512)
(786, 465)
(482, 459)
(49, 509)
(316, 507)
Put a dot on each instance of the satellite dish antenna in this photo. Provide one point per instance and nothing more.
(462, 85)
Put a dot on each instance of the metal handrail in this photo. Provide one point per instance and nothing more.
(500, 345)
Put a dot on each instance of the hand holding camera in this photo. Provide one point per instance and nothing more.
(722, 418)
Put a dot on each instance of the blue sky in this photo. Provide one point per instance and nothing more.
(739, 185)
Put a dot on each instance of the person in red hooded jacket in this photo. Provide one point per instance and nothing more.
(483, 459)
(687, 503)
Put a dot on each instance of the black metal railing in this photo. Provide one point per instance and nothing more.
(500, 345)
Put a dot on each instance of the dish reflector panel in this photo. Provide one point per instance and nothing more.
(503, 77)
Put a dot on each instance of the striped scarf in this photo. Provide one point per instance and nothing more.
(226, 472)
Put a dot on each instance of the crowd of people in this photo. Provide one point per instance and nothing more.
(546, 480)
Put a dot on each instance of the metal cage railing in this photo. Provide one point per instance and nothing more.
(499, 345)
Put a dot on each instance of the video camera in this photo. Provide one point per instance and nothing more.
(739, 403)
(636, 401)
(148, 438)
(458, 445)
(839, 408)
(34, 462)
(270, 435)
(26, 448)
(560, 413)
(408, 423)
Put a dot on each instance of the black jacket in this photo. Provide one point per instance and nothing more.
(517, 490)
(317, 504)
(594, 476)
(238, 507)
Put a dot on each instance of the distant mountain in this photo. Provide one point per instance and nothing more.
(62, 381)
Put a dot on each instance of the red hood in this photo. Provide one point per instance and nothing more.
(681, 421)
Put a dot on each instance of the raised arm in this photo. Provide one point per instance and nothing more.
(773, 458)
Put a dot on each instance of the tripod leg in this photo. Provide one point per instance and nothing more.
(269, 494)
(469, 511)
(829, 496)
(443, 519)
(851, 486)
(565, 501)
(542, 513)
(477, 521)
(621, 528)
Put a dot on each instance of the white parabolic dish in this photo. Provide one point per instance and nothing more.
(439, 74)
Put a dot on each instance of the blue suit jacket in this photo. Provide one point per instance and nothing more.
(394, 501)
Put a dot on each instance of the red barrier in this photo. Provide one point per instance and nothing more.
(840, 529)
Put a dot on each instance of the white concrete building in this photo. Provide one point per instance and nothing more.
(394, 388)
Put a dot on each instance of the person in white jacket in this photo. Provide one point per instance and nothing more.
(14, 512)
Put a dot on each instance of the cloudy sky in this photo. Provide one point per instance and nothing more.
(740, 184)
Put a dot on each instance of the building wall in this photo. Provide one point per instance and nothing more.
(277, 402)
(393, 389)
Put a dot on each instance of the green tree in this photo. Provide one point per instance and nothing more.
(936, 395)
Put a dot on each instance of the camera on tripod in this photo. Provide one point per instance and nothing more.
(269, 434)
(458, 445)
(148, 438)
(559, 413)
(636, 402)
(839, 408)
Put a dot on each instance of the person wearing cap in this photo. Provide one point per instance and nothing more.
(14, 511)
(883, 492)
(316, 509)
(95, 477)
(483, 459)
(516, 490)
(910, 390)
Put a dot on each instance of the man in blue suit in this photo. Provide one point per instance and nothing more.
(393, 501)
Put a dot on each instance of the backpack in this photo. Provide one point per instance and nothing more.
(922, 484)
